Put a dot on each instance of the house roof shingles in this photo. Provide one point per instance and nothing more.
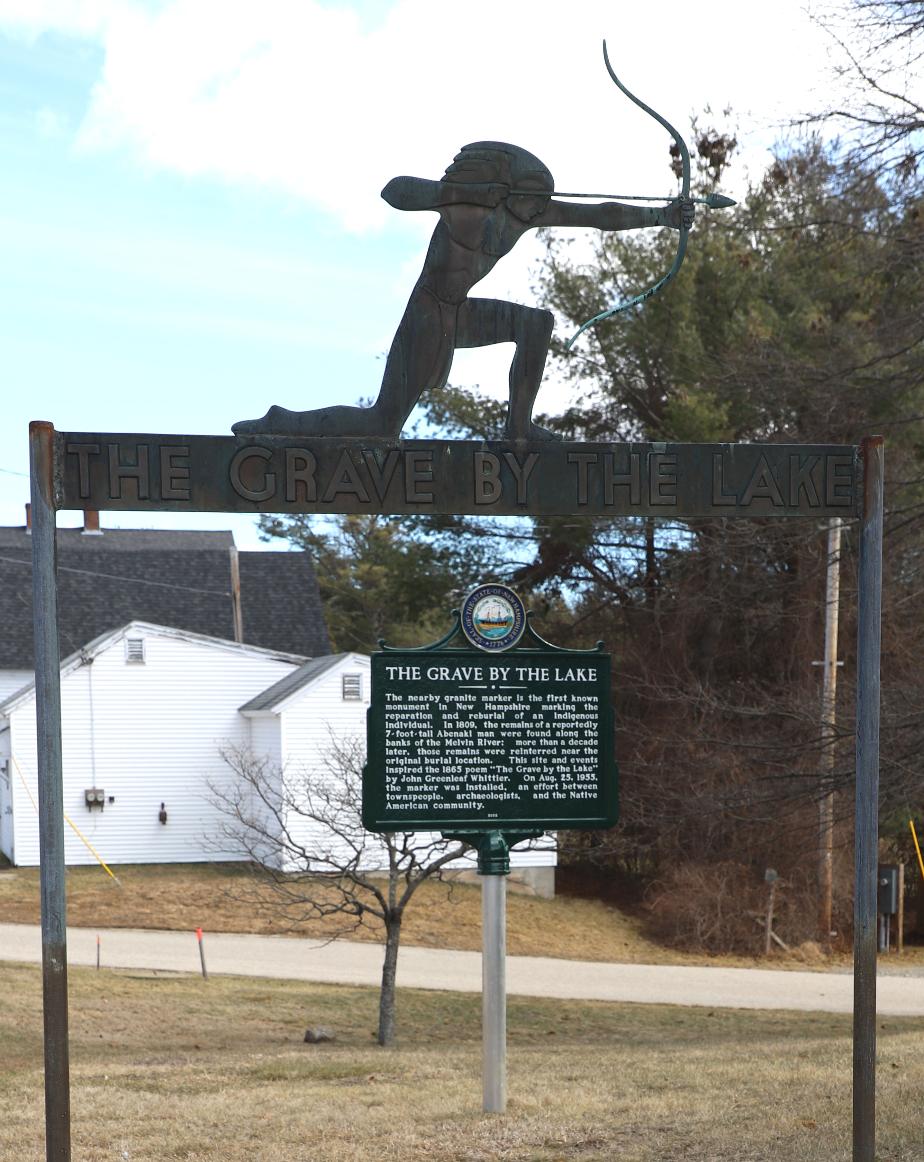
(280, 603)
(131, 540)
(271, 697)
(172, 578)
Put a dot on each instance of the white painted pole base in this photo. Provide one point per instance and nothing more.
(494, 992)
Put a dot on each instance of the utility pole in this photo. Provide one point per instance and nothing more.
(828, 732)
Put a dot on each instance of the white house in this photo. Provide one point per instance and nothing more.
(146, 711)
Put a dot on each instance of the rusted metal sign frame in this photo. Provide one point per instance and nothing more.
(864, 499)
(276, 474)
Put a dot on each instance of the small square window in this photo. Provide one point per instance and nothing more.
(134, 649)
(352, 687)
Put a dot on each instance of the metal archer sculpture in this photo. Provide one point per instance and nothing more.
(490, 195)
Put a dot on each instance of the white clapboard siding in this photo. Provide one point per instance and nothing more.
(316, 714)
(308, 724)
(146, 733)
(6, 795)
(13, 680)
(263, 745)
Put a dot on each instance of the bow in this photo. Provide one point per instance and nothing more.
(684, 231)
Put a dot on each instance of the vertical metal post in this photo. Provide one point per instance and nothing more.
(867, 803)
(768, 933)
(50, 794)
(494, 992)
(202, 953)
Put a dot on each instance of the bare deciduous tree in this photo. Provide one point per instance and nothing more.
(878, 107)
(302, 832)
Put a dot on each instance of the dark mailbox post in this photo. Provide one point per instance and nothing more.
(887, 900)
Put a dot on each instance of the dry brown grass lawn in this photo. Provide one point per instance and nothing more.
(220, 898)
(224, 898)
(177, 1069)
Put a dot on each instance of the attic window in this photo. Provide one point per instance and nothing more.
(352, 687)
(134, 649)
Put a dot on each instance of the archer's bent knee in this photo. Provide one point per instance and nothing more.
(537, 321)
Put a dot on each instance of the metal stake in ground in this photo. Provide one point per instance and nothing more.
(201, 953)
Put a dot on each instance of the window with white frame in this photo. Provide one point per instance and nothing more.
(351, 686)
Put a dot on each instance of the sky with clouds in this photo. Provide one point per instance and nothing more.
(190, 220)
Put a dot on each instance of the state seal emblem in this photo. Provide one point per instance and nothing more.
(493, 617)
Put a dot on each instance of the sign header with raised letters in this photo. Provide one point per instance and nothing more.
(274, 474)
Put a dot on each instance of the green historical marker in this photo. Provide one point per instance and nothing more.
(503, 733)
(491, 735)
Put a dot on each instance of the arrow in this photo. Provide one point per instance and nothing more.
(713, 201)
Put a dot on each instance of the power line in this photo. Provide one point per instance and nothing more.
(116, 577)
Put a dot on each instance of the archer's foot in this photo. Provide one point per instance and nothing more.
(331, 421)
(533, 434)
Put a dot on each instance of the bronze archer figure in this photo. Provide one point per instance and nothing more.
(488, 198)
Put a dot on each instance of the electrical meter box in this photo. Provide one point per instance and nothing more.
(888, 889)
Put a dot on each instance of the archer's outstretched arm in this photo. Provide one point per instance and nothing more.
(407, 193)
(617, 215)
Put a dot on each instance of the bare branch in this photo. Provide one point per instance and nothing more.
(314, 862)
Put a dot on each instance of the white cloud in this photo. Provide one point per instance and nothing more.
(307, 99)
(86, 19)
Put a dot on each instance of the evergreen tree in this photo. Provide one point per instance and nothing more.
(384, 578)
(797, 318)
